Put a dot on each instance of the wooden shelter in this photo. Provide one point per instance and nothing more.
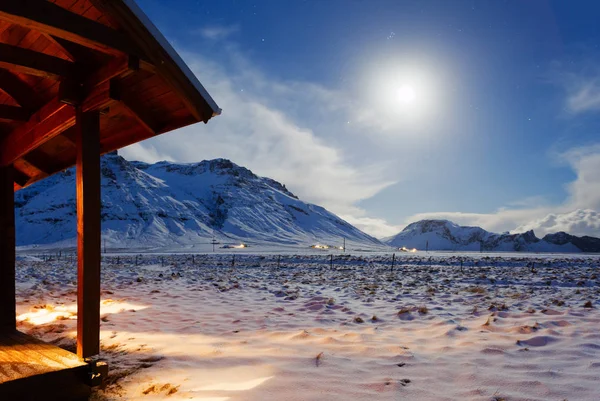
(78, 78)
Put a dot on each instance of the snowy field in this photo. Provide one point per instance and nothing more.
(309, 327)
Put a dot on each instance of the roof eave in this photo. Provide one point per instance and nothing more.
(158, 36)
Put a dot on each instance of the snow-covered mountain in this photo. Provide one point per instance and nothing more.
(168, 204)
(448, 236)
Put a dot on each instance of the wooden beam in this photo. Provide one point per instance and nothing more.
(48, 18)
(137, 134)
(14, 113)
(25, 61)
(50, 121)
(88, 232)
(62, 48)
(120, 67)
(20, 177)
(133, 108)
(33, 170)
(20, 91)
(42, 167)
(7, 249)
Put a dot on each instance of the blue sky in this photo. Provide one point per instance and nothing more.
(501, 128)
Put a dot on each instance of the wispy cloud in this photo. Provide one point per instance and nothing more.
(583, 94)
(581, 85)
(377, 227)
(217, 32)
(268, 125)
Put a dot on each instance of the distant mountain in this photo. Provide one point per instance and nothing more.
(585, 243)
(448, 236)
(169, 204)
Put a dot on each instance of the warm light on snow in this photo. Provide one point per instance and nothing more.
(233, 386)
(50, 313)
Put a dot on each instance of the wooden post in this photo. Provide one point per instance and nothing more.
(87, 129)
(7, 249)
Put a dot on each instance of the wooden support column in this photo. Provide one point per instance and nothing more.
(87, 129)
(7, 249)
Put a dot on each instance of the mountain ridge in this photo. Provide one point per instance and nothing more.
(445, 235)
(177, 204)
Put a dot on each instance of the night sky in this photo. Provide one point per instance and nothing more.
(385, 112)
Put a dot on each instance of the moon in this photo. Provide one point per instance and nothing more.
(407, 94)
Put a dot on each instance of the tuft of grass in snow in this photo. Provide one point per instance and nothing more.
(318, 359)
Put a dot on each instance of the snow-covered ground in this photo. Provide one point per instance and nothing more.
(296, 327)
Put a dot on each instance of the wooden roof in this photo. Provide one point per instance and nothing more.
(56, 55)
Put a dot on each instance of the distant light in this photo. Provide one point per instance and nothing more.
(405, 249)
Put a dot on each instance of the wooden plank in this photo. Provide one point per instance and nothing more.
(7, 249)
(33, 370)
(25, 61)
(14, 113)
(87, 130)
(54, 20)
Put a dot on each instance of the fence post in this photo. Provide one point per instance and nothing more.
(393, 261)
